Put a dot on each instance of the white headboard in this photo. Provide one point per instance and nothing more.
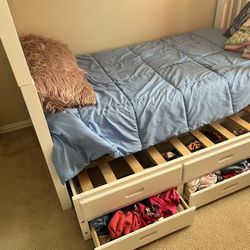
(226, 11)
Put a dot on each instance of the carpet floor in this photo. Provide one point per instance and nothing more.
(31, 216)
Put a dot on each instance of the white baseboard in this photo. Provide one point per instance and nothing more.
(15, 126)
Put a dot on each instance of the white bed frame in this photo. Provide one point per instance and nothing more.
(226, 10)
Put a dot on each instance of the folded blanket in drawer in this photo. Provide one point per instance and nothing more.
(147, 93)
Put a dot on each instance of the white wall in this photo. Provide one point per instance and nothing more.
(94, 25)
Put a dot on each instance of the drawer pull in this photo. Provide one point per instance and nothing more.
(148, 235)
(226, 158)
(231, 186)
(134, 193)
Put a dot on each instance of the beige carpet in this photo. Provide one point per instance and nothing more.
(31, 216)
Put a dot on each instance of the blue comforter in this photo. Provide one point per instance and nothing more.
(147, 93)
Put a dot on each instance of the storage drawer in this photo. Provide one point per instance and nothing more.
(118, 194)
(150, 233)
(219, 156)
(218, 190)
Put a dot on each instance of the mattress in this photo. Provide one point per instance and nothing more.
(147, 93)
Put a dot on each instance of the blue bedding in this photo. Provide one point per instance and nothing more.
(147, 93)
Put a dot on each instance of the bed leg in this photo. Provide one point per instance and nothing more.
(86, 231)
(64, 197)
(84, 224)
(61, 190)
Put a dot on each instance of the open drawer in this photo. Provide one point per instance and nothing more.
(110, 184)
(218, 190)
(123, 192)
(235, 148)
(183, 218)
(93, 198)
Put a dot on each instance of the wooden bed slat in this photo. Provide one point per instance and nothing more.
(107, 172)
(155, 155)
(227, 134)
(247, 109)
(240, 121)
(101, 160)
(179, 146)
(85, 181)
(133, 163)
(202, 138)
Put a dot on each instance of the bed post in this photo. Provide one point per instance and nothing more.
(10, 40)
(224, 12)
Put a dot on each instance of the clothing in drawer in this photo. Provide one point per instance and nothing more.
(210, 187)
(150, 232)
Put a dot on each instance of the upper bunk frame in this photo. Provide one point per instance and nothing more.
(225, 12)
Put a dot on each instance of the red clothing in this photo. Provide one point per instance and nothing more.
(229, 175)
(116, 225)
(172, 200)
(144, 213)
(136, 222)
(128, 223)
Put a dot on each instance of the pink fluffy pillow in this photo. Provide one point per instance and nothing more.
(60, 83)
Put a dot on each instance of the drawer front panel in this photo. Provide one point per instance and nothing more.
(219, 190)
(214, 160)
(131, 192)
(152, 232)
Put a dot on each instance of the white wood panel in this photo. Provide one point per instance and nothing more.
(35, 110)
(239, 6)
(224, 154)
(151, 232)
(84, 225)
(218, 190)
(130, 192)
(224, 11)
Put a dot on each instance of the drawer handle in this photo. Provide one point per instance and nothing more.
(134, 193)
(226, 158)
(148, 235)
(231, 186)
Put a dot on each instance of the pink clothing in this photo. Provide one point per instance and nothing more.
(144, 213)
(116, 225)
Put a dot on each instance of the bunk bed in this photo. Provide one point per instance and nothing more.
(108, 184)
